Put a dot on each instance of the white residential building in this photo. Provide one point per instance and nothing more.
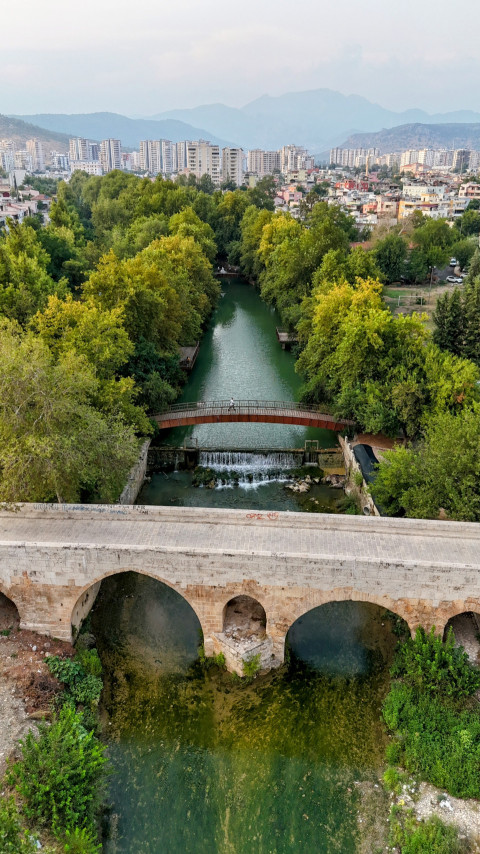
(35, 150)
(91, 167)
(60, 161)
(232, 165)
(83, 149)
(262, 163)
(111, 154)
(204, 159)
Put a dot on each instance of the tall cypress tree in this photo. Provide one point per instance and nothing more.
(449, 318)
(471, 311)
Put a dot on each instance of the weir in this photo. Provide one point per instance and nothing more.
(186, 457)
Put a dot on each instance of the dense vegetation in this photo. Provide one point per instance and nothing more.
(93, 309)
(388, 373)
(59, 776)
(436, 724)
(94, 306)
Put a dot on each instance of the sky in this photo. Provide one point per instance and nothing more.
(141, 58)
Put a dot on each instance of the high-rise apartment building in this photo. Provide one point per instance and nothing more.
(60, 161)
(232, 165)
(83, 149)
(7, 154)
(181, 155)
(35, 150)
(158, 156)
(111, 154)
(352, 157)
(294, 157)
(263, 162)
(91, 167)
(204, 159)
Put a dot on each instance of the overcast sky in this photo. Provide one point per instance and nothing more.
(140, 58)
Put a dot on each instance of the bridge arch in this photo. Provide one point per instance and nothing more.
(342, 640)
(9, 612)
(244, 616)
(315, 598)
(83, 601)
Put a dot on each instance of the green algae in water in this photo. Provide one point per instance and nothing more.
(205, 764)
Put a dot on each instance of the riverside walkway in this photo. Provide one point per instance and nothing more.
(259, 411)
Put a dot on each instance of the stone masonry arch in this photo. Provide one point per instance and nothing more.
(87, 596)
(52, 556)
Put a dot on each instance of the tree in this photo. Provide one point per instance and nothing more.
(87, 330)
(469, 222)
(54, 443)
(449, 319)
(390, 254)
(441, 472)
(25, 284)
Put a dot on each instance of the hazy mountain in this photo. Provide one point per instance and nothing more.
(317, 119)
(449, 135)
(130, 131)
(11, 128)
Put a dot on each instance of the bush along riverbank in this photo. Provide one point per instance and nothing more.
(53, 793)
(434, 717)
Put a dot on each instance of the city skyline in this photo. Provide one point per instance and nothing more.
(105, 57)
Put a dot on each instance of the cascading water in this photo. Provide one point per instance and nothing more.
(252, 468)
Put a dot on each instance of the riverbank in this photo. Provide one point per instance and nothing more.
(27, 687)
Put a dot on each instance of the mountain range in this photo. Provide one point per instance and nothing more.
(418, 136)
(19, 131)
(317, 119)
(99, 126)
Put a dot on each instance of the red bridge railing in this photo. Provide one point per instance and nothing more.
(243, 407)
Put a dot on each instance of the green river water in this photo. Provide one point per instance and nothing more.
(202, 762)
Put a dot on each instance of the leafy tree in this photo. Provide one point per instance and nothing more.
(54, 443)
(25, 284)
(442, 471)
(96, 334)
(469, 222)
(390, 254)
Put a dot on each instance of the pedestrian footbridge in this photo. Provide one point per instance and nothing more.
(258, 411)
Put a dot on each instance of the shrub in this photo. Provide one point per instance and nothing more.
(394, 752)
(429, 837)
(13, 839)
(80, 841)
(59, 773)
(392, 780)
(80, 675)
(431, 665)
(441, 742)
(251, 666)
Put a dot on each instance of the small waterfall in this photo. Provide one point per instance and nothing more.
(252, 468)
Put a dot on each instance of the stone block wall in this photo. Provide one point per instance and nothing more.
(136, 476)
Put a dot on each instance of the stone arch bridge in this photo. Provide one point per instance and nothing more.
(54, 557)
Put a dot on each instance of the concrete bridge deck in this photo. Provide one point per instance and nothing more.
(53, 558)
(257, 411)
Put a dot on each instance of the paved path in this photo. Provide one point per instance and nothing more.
(408, 541)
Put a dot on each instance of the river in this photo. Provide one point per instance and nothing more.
(203, 762)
